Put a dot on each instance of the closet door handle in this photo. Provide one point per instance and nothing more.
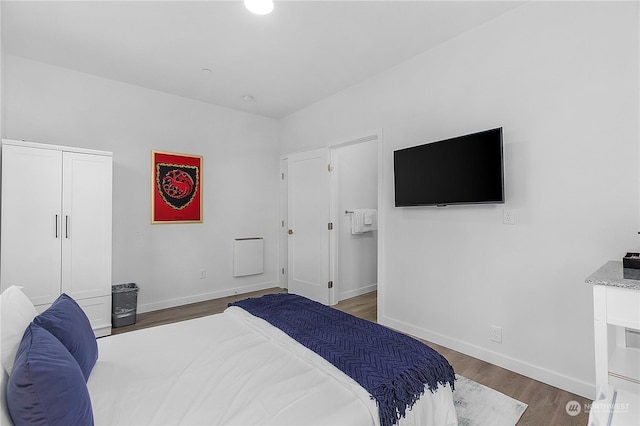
(66, 226)
(56, 226)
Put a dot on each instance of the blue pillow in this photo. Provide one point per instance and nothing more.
(46, 386)
(66, 320)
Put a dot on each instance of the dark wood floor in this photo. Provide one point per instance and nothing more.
(546, 403)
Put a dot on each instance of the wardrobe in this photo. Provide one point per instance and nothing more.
(55, 221)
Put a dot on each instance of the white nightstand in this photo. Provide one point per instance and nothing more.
(616, 307)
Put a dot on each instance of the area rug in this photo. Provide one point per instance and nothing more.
(479, 405)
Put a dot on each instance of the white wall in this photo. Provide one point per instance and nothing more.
(240, 169)
(562, 79)
(2, 59)
(356, 168)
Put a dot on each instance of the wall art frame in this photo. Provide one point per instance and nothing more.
(176, 187)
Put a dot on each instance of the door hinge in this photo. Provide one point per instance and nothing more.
(329, 167)
(282, 271)
(282, 224)
(330, 284)
(282, 176)
(330, 226)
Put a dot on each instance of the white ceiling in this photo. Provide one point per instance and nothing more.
(301, 53)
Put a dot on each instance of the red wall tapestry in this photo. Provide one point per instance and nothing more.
(176, 188)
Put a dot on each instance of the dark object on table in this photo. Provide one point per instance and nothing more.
(631, 260)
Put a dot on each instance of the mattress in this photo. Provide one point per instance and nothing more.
(233, 369)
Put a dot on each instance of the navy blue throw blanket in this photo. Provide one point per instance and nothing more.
(392, 367)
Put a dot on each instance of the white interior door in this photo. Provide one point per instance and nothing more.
(283, 237)
(309, 216)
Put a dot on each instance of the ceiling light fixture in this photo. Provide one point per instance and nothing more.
(259, 7)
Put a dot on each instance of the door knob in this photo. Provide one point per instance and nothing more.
(290, 231)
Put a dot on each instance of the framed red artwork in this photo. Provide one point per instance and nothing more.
(176, 188)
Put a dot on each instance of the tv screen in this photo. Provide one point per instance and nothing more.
(462, 170)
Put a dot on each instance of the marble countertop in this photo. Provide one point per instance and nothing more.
(613, 274)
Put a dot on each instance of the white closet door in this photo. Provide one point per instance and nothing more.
(31, 221)
(86, 220)
(308, 215)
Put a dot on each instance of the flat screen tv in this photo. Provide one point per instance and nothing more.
(462, 170)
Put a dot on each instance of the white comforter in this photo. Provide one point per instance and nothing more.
(232, 369)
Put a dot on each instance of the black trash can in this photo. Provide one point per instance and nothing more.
(124, 304)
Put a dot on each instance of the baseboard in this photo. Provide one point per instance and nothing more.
(553, 378)
(148, 307)
(357, 292)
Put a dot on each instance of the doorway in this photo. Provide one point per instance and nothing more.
(329, 263)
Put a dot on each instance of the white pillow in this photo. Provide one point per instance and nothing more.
(16, 313)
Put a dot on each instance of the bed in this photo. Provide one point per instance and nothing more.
(232, 368)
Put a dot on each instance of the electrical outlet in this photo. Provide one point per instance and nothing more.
(508, 217)
(203, 274)
(496, 334)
